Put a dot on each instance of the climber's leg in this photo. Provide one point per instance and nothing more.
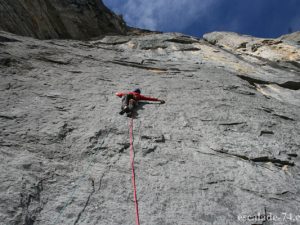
(125, 103)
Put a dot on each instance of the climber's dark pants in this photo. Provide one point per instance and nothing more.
(128, 103)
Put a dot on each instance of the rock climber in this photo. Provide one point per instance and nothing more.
(130, 100)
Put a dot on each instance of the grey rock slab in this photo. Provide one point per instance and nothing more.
(293, 37)
(222, 148)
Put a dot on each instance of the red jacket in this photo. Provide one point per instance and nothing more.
(137, 96)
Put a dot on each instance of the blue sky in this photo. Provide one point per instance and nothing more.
(260, 18)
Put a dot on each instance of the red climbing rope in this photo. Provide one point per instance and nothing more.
(137, 219)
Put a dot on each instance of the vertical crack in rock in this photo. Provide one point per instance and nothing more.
(30, 203)
(86, 203)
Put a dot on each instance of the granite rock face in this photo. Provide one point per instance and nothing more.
(293, 37)
(265, 59)
(284, 51)
(68, 19)
(224, 149)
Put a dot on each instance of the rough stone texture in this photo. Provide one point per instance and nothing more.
(263, 62)
(293, 37)
(221, 147)
(47, 19)
(271, 50)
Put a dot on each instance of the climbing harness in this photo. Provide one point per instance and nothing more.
(137, 219)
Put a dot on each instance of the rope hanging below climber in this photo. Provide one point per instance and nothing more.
(129, 101)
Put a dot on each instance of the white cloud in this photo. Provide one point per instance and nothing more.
(162, 14)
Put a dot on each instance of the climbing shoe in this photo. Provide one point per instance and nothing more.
(129, 114)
